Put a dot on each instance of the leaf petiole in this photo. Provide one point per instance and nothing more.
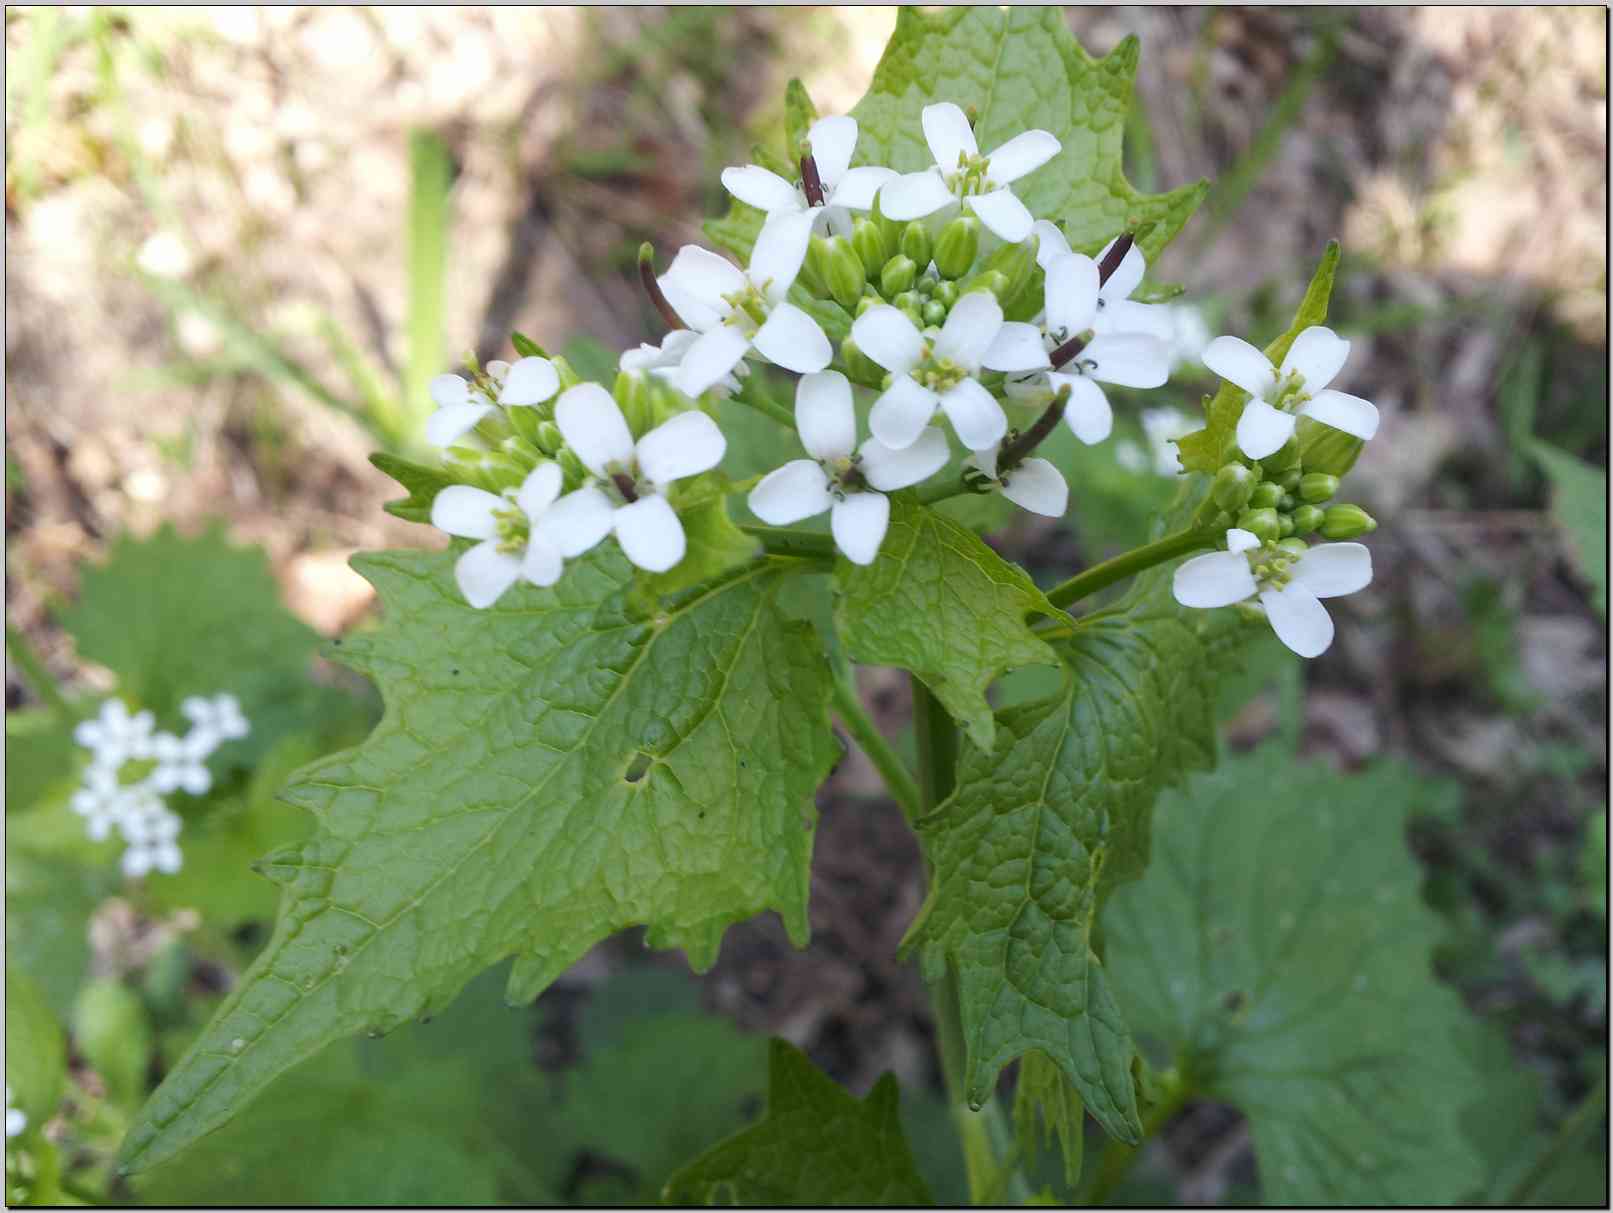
(1132, 562)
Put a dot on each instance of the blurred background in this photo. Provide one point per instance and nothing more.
(239, 242)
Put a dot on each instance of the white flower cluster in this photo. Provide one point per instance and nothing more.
(928, 266)
(133, 767)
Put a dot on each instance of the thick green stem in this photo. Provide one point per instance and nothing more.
(1121, 567)
(944, 491)
(786, 541)
(750, 389)
(1117, 1158)
(38, 676)
(990, 1157)
(898, 779)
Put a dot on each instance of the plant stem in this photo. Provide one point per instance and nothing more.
(787, 541)
(771, 409)
(1568, 1135)
(38, 676)
(944, 491)
(1135, 561)
(1013, 454)
(898, 779)
(1117, 1158)
(990, 1158)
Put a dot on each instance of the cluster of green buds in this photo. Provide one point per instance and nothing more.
(1282, 502)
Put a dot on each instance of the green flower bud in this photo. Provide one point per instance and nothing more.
(525, 421)
(843, 272)
(1306, 519)
(632, 394)
(815, 267)
(1317, 487)
(869, 244)
(1285, 525)
(916, 244)
(1294, 547)
(1266, 496)
(1346, 522)
(1262, 524)
(1233, 485)
(1017, 263)
(866, 302)
(1289, 479)
(1325, 449)
(914, 313)
(1221, 521)
(548, 438)
(897, 277)
(908, 300)
(568, 377)
(935, 312)
(860, 368)
(572, 466)
(994, 281)
(521, 450)
(1251, 611)
(926, 285)
(957, 246)
(947, 292)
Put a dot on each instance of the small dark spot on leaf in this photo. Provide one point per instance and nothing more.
(635, 769)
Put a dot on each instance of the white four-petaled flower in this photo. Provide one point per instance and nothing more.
(513, 544)
(1024, 351)
(961, 172)
(663, 361)
(735, 311)
(934, 373)
(833, 140)
(847, 480)
(637, 473)
(1289, 586)
(461, 407)
(1115, 311)
(1034, 485)
(1279, 395)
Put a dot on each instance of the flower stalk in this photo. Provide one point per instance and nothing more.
(1146, 557)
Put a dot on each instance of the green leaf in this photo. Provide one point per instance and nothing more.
(36, 1054)
(816, 1145)
(1022, 69)
(423, 483)
(941, 604)
(548, 771)
(1046, 1106)
(41, 755)
(1207, 449)
(1279, 948)
(716, 545)
(447, 1113)
(113, 1032)
(1039, 831)
(174, 617)
(1579, 504)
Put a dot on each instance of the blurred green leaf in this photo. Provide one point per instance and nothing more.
(816, 1145)
(1279, 948)
(36, 1054)
(41, 755)
(423, 481)
(1579, 503)
(591, 360)
(1047, 1106)
(1593, 861)
(113, 1032)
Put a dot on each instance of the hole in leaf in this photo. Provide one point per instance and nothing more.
(635, 769)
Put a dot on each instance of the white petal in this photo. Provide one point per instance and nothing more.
(650, 533)
(593, 427)
(1087, 411)
(1024, 153)
(1128, 274)
(1071, 295)
(1333, 569)
(497, 369)
(703, 276)
(858, 524)
(1299, 619)
(1007, 217)
(1018, 347)
(539, 490)
(467, 512)
(947, 131)
(1344, 412)
(713, 354)
(1129, 359)
(1124, 316)
(825, 416)
(889, 338)
(577, 521)
(1037, 486)
(1238, 362)
(451, 423)
(1262, 430)
(902, 412)
(530, 381)
(449, 390)
(766, 191)
(484, 573)
(971, 327)
(976, 416)
(985, 459)
(1216, 579)
(685, 445)
(1318, 354)
(914, 196)
(788, 494)
(857, 188)
(1240, 540)
(699, 314)
(542, 564)
(833, 140)
(888, 469)
(780, 247)
(1050, 242)
(792, 339)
